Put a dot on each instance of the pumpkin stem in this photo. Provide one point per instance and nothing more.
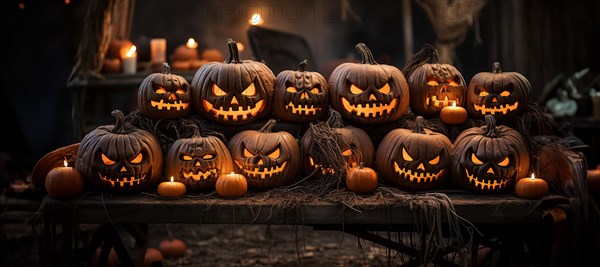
(367, 56)
(419, 125)
(195, 131)
(361, 165)
(491, 130)
(496, 68)
(166, 68)
(302, 65)
(234, 54)
(335, 119)
(427, 55)
(122, 126)
(268, 126)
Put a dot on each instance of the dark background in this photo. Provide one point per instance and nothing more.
(540, 39)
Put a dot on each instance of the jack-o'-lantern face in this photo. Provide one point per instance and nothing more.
(300, 96)
(417, 159)
(354, 144)
(266, 159)
(368, 92)
(234, 92)
(120, 158)
(198, 161)
(164, 95)
(489, 159)
(502, 95)
(433, 86)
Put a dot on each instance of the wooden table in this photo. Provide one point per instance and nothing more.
(489, 214)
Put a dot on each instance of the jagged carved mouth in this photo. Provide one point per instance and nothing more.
(324, 170)
(123, 181)
(486, 184)
(369, 110)
(178, 105)
(417, 177)
(199, 175)
(261, 171)
(493, 110)
(241, 113)
(308, 109)
(439, 103)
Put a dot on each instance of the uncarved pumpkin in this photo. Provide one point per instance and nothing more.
(361, 179)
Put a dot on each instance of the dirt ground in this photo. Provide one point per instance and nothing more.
(228, 245)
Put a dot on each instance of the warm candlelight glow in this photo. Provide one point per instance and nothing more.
(172, 179)
(255, 19)
(453, 104)
(232, 173)
(131, 51)
(191, 43)
(240, 46)
(532, 176)
(65, 163)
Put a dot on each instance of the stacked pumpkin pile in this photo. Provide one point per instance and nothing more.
(485, 157)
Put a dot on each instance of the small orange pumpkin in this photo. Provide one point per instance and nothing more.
(231, 185)
(361, 179)
(153, 257)
(172, 248)
(64, 182)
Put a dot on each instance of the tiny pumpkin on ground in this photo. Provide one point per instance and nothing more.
(153, 257)
(361, 179)
(172, 248)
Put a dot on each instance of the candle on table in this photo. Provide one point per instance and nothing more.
(158, 53)
(531, 187)
(129, 60)
(453, 114)
(171, 188)
(64, 182)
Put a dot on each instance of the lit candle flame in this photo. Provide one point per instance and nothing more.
(172, 179)
(232, 173)
(191, 43)
(453, 104)
(532, 176)
(255, 19)
(65, 163)
(131, 51)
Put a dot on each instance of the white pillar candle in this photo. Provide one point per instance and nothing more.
(158, 51)
(129, 61)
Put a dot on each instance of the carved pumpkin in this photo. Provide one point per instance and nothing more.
(233, 92)
(417, 159)
(198, 161)
(433, 86)
(368, 92)
(300, 96)
(355, 147)
(164, 95)
(120, 157)
(501, 94)
(267, 159)
(489, 159)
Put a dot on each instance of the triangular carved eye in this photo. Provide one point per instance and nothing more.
(476, 160)
(315, 90)
(247, 153)
(208, 156)
(347, 152)
(452, 83)
(504, 162)
(217, 91)
(406, 156)
(385, 89)
(250, 90)
(275, 154)
(355, 90)
(432, 82)
(292, 89)
(138, 158)
(435, 161)
(186, 158)
(106, 160)
(160, 90)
